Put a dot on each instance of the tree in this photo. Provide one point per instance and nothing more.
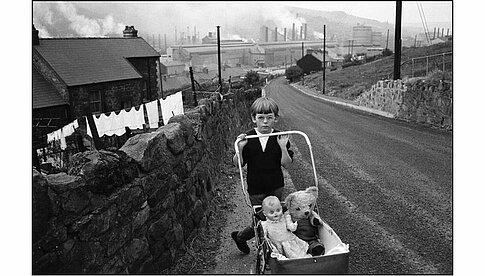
(293, 73)
(251, 78)
(387, 52)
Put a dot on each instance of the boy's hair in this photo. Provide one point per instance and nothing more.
(264, 105)
(270, 201)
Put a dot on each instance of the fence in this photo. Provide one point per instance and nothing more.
(422, 66)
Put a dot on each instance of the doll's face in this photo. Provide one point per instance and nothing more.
(273, 212)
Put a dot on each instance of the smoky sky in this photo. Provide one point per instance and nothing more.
(94, 19)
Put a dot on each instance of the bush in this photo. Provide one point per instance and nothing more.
(251, 78)
(293, 73)
(387, 52)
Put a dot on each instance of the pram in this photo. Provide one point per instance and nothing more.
(336, 257)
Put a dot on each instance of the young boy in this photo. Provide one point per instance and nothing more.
(264, 158)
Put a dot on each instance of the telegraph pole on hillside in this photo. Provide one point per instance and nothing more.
(219, 57)
(303, 72)
(324, 65)
(397, 42)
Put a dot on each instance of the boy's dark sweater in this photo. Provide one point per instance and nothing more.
(264, 168)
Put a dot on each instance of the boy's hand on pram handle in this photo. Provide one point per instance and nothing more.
(283, 140)
(243, 141)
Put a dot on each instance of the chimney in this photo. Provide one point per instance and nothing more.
(284, 36)
(301, 32)
(35, 36)
(305, 31)
(130, 32)
(293, 34)
(266, 34)
(275, 33)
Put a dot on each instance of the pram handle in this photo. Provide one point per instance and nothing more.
(246, 195)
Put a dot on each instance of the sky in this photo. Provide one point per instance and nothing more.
(107, 17)
(434, 11)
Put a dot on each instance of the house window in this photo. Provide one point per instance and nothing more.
(95, 101)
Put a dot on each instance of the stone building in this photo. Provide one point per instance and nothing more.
(90, 75)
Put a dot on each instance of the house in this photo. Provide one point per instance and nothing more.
(313, 62)
(170, 68)
(76, 76)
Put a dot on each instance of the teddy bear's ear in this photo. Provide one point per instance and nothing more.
(312, 190)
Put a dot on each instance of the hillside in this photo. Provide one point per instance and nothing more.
(350, 82)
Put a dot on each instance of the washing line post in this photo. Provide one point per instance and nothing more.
(193, 85)
(98, 144)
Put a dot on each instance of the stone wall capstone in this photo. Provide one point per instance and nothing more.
(133, 210)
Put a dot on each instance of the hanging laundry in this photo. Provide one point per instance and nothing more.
(88, 129)
(114, 124)
(62, 133)
(171, 106)
(110, 125)
(152, 111)
(134, 119)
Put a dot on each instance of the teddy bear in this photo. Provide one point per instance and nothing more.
(300, 205)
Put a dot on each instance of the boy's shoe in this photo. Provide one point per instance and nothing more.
(243, 246)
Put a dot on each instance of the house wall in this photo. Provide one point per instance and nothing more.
(147, 67)
(115, 95)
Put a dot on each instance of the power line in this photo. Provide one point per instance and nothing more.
(423, 21)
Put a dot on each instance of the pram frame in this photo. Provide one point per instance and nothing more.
(325, 264)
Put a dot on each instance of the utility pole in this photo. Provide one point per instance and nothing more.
(397, 42)
(387, 40)
(415, 38)
(219, 56)
(324, 65)
(193, 85)
(303, 72)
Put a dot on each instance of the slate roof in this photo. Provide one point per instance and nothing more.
(81, 61)
(44, 94)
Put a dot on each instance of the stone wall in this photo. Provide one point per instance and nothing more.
(134, 210)
(421, 100)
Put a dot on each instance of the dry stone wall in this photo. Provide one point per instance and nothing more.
(132, 211)
(428, 101)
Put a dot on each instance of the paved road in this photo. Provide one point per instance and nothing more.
(385, 185)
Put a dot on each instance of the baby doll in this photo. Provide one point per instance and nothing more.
(278, 230)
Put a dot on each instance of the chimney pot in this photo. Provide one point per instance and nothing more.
(130, 32)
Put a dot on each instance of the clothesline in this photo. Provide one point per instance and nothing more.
(134, 119)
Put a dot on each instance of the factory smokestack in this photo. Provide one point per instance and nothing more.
(293, 33)
(305, 32)
(275, 33)
(301, 32)
(284, 36)
(265, 34)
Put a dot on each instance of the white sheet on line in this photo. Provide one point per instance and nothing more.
(152, 112)
(172, 105)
